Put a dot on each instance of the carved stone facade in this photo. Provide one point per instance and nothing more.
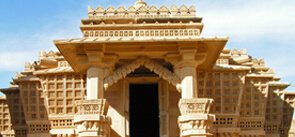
(203, 89)
(91, 118)
(195, 119)
(5, 126)
(13, 122)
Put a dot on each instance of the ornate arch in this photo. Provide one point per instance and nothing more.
(154, 66)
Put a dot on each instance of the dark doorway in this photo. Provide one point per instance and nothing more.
(144, 110)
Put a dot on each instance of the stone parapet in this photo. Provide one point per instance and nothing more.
(91, 119)
(142, 11)
(195, 120)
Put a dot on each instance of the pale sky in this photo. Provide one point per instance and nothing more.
(266, 28)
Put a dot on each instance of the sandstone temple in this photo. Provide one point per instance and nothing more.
(144, 71)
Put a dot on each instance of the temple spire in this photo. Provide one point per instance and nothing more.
(140, 3)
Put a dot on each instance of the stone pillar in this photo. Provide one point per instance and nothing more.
(94, 83)
(92, 119)
(188, 83)
(195, 120)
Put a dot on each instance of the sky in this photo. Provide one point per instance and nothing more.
(265, 28)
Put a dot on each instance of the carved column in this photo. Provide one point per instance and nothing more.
(95, 83)
(188, 82)
(195, 120)
(92, 119)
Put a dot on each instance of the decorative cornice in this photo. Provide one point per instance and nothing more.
(142, 10)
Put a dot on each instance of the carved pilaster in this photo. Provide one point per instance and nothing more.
(195, 120)
(91, 119)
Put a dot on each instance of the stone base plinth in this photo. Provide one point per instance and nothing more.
(195, 120)
(91, 120)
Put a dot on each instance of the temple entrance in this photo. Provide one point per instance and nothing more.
(144, 110)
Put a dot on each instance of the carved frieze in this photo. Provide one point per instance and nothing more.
(195, 106)
(143, 33)
(92, 107)
(142, 11)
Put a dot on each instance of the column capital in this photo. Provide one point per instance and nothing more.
(95, 56)
(191, 59)
(99, 60)
(187, 57)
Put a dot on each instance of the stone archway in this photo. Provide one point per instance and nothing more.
(153, 66)
(166, 76)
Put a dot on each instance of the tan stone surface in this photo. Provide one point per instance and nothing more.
(204, 89)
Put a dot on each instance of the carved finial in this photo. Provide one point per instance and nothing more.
(28, 67)
(42, 54)
(140, 3)
(90, 9)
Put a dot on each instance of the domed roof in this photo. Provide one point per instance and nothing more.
(140, 3)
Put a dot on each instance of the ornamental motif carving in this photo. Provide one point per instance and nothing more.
(143, 11)
(101, 128)
(99, 106)
(154, 66)
(142, 33)
(195, 119)
(196, 126)
(198, 105)
(91, 119)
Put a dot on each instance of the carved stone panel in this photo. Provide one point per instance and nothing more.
(91, 119)
(195, 119)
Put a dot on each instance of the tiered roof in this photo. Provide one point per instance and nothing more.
(240, 60)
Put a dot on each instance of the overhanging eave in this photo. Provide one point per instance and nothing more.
(74, 50)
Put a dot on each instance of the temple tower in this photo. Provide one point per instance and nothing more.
(144, 71)
(142, 33)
